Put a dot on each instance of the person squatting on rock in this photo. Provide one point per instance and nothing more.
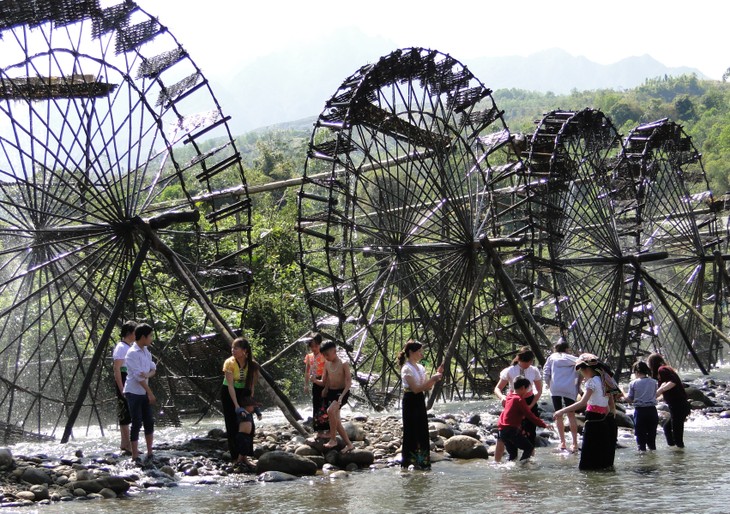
(600, 431)
(140, 398)
(563, 380)
(416, 447)
(314, 369)
(337, 382)
(120, 377)
(510, 425)
(521, 367)
(240, 372)
(642, 394)
(672, 389)
(246, 431)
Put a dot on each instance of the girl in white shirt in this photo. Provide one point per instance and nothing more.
(416, 448)
(599, 431)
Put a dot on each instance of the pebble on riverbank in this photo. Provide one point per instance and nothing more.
(40, 479)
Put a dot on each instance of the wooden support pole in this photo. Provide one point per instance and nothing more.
(465, 314)
(196, 290)
(661, 293)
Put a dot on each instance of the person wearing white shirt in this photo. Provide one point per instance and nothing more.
(120, 377)
(140, 398)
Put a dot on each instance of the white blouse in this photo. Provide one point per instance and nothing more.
(417, 373)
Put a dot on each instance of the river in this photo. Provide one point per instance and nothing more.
(696, 479)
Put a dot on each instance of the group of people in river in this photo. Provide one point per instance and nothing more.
(576, 383)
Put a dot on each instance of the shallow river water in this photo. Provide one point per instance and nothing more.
(696, 479)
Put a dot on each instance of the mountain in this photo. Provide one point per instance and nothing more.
(295, 84)
(558, 71)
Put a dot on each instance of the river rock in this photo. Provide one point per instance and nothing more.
(116, 484)
(340, 473)
(40, 491)
(276, 476)
(442, 429)
(6, 458)
(36, 476)
(306, 450)
(624, 420)
(725, 414)
(696, 395)
(354, 431)
(286, 462)
(317, 459)
(25, 495)
(107, 493)
(465, 447)
(168, 471)
(361, 458)
(79, 492)
(84, 474)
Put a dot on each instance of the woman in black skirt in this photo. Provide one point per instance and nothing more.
(599, 431)
(416, 448)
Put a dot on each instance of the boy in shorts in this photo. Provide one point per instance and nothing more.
(337, 382)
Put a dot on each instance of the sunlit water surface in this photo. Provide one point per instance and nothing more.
(696, 479)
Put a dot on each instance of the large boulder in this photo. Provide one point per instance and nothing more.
(695, 395)
(36, 476)
(117, 484)
(465, 447)
(6, 459)
(361, 458)
(286, 462)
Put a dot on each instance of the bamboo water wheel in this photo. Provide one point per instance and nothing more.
(110, 138)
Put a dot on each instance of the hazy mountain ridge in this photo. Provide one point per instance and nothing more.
(295, 84)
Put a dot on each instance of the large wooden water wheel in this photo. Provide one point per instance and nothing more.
(413, 222)
(110, 141)
(685, 289)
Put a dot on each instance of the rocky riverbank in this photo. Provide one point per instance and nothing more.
(281, 454)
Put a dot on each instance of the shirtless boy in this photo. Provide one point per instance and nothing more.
(337, 381)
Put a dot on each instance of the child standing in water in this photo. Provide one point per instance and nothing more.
(515, 412)
(314, 369)
(642, 393)
(246, 431)
(337, 382)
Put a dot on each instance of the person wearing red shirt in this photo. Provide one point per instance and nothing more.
(510, 421)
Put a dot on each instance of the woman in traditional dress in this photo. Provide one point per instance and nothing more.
(416, 448)
(599, 431)
(240, 372)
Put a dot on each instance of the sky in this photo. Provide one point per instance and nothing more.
(676, 33)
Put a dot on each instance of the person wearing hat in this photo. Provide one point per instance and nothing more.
(599, 431)
(246, 431)
(416, 447)
(522, 366)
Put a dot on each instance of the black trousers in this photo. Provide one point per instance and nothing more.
(230, 417)
(674, 428)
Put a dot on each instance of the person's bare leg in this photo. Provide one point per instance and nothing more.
(561, 431)
(345, 439)
(333, 411)
(124, 431)
(573, 430)
(135, 449)
(149, 439)
(499, 451)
